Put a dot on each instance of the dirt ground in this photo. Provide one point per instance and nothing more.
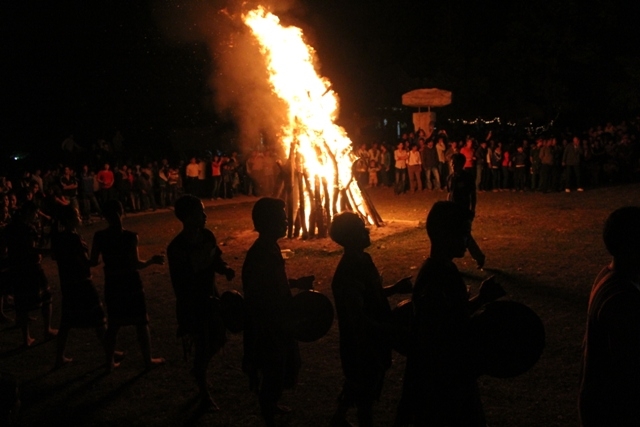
(545, 249)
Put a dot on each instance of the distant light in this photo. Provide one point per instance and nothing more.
(16, 158)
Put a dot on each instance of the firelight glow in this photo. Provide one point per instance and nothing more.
(324, 149)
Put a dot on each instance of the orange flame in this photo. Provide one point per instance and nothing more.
(324, 147)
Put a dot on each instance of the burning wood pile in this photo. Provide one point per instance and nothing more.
(320, 154)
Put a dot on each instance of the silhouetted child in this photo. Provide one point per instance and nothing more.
(194, 258)
(610, 384)
(271, 355)
(364, 320)
(123, 292)
(462, 191)
(373, 173)
(439, 385)
(28, 281)
(81, 306)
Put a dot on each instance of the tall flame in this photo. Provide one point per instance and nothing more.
(323, 148)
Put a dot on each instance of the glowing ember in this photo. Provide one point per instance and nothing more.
(320, 150)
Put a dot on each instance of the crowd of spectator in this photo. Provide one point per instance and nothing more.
(564, 161)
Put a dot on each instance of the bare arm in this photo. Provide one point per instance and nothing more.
(142, 264)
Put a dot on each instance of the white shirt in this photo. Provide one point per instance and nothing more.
(401, 157)
(414, 158)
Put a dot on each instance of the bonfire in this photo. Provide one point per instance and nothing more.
(320, 154)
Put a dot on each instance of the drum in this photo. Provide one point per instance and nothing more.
(507, 339)
(232, 311)
(310, 316)
(401, 318)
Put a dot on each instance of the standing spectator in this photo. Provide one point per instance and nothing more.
(173, 185)
(106, 180)
(373, 173)
(400, 156)
(374, 153)
(192, 173)
(557, 171)
(123, 291)
(610, 379)
(506, 168)
(87, 195)
(414, 167)
(216, 176)
(481, 166)
(441, 149)
(385, 166)
(546, 165)
(536, 164)
(69, 185)
(163, 184)
(146, 191)
(469, 154)
(495, 164)
(571, 161)
(430, 165)
(202, 179)
(520, 169)
(194, 258)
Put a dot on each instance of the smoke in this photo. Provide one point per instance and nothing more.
(238, 77)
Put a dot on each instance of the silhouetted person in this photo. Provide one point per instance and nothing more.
(271, 355)
(81, 306)
(29, 282)
(439, 387)
(123, 292)
(364, 320)
(462, 191)
(610, 384)
(194, 258)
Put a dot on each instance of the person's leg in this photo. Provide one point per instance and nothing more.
(22, 320)
(110, 337)
(270, 392)
(339, 418)
(201, 361)
(49, 332)
(144, 339)
(578, 174)
(63, 335)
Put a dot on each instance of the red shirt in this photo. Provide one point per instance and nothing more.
(105, 178)
(468, 154)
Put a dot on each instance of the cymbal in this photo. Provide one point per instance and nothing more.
(310, 316)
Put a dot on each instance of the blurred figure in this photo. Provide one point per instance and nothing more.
(462, 191)
(610, 383)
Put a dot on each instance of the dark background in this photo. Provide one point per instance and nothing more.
(91, 68)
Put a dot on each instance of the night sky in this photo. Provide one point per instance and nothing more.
(146, 67)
